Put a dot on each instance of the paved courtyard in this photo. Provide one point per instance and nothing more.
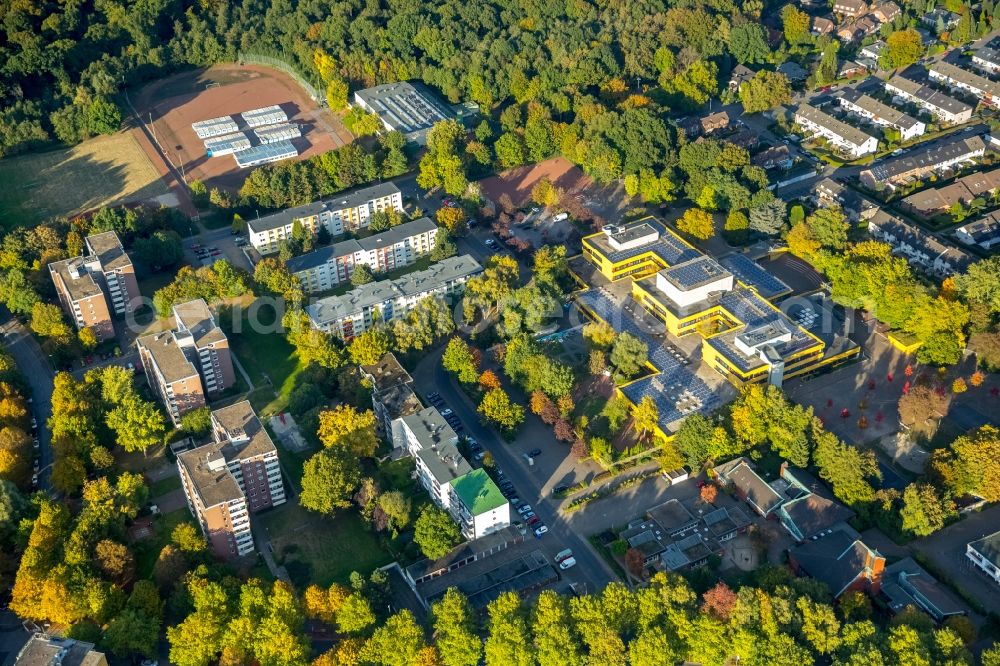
(946, 549)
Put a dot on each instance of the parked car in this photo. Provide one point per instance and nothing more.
(567, 563)
(528, 515)
(563, 554)
(492, 244)
(534, 453)
(534, 520)
(447, 412)
(523, 509)
(34, 443)
(539, 531)
(561, 488)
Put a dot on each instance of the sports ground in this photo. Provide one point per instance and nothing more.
(166, 109)
(108, 170)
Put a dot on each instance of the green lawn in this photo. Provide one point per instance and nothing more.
(147, 551)
(269, 360)
(164, 486)
(322, 550)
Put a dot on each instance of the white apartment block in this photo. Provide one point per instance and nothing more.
(846, 138)
(469, 495)
(332, 265)
(345, 212)
(946, 109)
(882, 114)
(355, 312)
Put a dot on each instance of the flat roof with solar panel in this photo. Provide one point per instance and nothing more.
(695, 273)
(265, 154)
(227, 144)
(206, 129)
(664, 244)
(752, 274)
(275, 133)
(410, 108)
(268, 115)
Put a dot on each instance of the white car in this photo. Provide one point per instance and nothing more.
(539, 531)
(567, 563)
(563, 554)
(446, 412)
(523, 509)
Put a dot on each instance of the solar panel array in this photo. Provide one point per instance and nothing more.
(693, 273)
(226, 144)
(750, 273)
(268, 115)
(266, 153)
(676, 390)
(206, 129)
(410, 110)
(668, 247)
(275, 133)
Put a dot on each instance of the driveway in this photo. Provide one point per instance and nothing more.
(946, 549)
(533, 483)
(629, 504)
(37, 371)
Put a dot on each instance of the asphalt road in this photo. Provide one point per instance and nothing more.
(591, 570)
(37, 371)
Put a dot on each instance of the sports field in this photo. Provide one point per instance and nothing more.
(99, 172)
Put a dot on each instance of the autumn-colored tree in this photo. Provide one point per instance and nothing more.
(489, 380)
(719, 601)
(708, 493)
(959, 385)
(697, 223)
(563, 430)
(543, 407)
(454, 220)
(346, 428)
(976, 379)
(634, 562)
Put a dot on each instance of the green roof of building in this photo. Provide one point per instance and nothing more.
(478, 492)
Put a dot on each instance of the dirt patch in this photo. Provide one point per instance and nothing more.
(167, 108)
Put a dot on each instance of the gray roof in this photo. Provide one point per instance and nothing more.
(244, 431)
(335, 308)
(988, 547)
(907, 583)
(108, 249)
(927, 158)
(214, 486)
(984, 229)
(439, 450)
(757, 491)
(837, 559)
(405, 106)
(838, 127)
(917, 238)
(80, 287)
(929, 96)
(965, 77)
(884, 111)
(340, 201)
(376, 241)
(43, 650)
(169, 358)
(196, 317)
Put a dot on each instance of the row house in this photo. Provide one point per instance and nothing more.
(937, 200)
(983, 233)
(961, 79)
(939, 157)
(846, 138)
(329, 266)
(829, 193)
(945, 108)
(986, 59)
(868, 107)
(345, 212)
(353, 313)
(918, 246)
